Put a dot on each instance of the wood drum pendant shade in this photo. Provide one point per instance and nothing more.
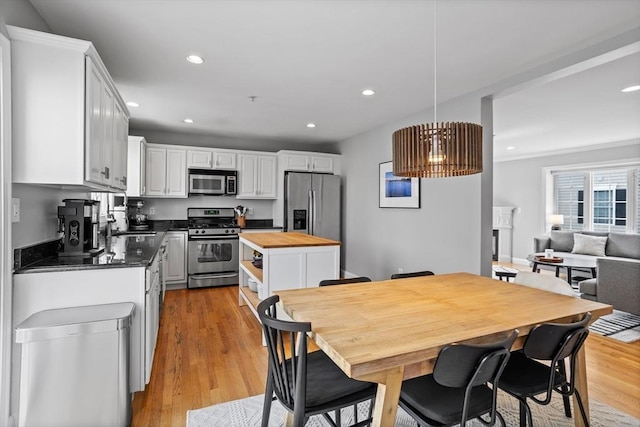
(435, 150)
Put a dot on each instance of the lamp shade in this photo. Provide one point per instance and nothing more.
(556, 219)
(437, 150)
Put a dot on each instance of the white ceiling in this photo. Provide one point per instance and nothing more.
(308, 60)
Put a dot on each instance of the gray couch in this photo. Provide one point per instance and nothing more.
(618, 273)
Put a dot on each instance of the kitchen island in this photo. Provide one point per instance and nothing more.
(289, 261)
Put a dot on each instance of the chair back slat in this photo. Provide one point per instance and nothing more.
(412, 274)
(330, 282)
(458, 364)
(551, 341)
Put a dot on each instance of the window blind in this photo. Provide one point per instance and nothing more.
(569, 198)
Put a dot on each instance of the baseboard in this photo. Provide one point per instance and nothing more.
(348, 275)
(520, 261)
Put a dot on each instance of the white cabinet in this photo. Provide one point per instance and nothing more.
(166, 171)
(69, 121)
(310, 162)
(211, 159)
(177, 257)
(257, 176)
(136, 170)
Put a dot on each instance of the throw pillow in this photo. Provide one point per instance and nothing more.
(588, 245)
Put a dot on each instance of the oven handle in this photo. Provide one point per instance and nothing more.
(234, 237)
(213, 276)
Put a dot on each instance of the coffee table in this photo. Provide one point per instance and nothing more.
(569, 262)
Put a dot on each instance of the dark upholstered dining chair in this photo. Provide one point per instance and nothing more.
(526, 377)
(457, 390)
(330, 282)
(412, 274)
(305, 383)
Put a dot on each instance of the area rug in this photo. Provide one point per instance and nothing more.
(618, 325)
(248, 413)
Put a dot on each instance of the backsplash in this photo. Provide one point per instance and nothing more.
(177, 208)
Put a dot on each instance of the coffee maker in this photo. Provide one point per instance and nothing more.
(78, 219)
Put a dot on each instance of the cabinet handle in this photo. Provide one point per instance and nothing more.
(105, 172)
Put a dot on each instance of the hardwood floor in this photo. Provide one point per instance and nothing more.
(209, 351)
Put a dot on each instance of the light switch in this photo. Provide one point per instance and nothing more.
(15, 210)
(152, 210)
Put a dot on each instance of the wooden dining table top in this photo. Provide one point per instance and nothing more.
(371, 327)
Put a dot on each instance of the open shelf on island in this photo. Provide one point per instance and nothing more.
(257, 272)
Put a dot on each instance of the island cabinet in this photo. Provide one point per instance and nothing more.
(70, 124)
(289, 261)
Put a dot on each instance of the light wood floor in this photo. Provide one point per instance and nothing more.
(209, 351)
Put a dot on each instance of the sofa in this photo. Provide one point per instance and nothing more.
(617, 256)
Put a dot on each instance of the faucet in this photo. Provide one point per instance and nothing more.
(110, 220)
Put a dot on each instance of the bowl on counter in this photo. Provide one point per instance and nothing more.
(253, 285)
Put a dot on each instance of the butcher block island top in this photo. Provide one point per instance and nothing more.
(286, 240)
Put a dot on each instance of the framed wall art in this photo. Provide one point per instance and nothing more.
(397, 191)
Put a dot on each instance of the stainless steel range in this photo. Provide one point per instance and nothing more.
(212, 250)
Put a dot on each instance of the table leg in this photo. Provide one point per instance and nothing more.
(581, 387)
(569, 278)
(535, 267)
(387, 397)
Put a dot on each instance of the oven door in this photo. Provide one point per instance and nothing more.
(208, 255)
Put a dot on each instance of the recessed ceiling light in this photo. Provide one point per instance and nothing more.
(132, 104)
(311, 125)
(511, 148)
(631, 89)
(195, 59)
(188, 121)
(368, 92)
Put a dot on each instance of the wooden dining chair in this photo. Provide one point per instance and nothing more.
(527, 377)
(458, 389)
(330, 282)
(305, 383)
(412, 274)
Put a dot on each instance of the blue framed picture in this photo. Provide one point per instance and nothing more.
(397, 191)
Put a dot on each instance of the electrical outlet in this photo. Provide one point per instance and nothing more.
(15, 210)
(400, 270)
(518, 210)
(152, 211)
(249, 211)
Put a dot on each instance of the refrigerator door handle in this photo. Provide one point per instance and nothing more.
(310, 210)
(313, 215)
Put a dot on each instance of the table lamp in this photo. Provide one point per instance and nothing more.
(556, 221)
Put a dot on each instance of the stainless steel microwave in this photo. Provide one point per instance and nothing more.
(207, 182)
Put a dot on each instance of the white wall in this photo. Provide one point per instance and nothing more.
(443, 236)
(177, 208)
(519, 183)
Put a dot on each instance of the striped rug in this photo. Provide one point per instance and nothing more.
(248, 413)
(618, 325)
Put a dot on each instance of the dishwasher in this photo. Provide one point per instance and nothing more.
(75, 366)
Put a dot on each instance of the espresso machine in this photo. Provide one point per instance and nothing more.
(79, 220)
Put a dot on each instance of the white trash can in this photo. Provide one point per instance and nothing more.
(75, 366)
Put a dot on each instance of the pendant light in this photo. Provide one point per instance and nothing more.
(435, 149)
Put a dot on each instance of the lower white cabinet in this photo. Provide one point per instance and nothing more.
(177, 257)
(34, 292)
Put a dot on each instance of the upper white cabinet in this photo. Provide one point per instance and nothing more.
(136, 166)
(257, 176)
(211, 159)
(166, 171)
(70, 124)
(310, 162)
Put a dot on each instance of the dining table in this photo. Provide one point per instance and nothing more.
(392, 330)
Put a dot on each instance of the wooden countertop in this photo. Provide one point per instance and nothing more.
(286, 240)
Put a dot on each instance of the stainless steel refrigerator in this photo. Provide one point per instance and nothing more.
(312, 204)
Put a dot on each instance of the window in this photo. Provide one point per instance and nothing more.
(597, 199)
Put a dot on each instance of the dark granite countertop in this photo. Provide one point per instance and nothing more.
(128, 250)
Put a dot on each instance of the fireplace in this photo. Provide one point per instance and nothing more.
(502, 233)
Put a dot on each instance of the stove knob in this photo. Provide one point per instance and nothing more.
(226, 231)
